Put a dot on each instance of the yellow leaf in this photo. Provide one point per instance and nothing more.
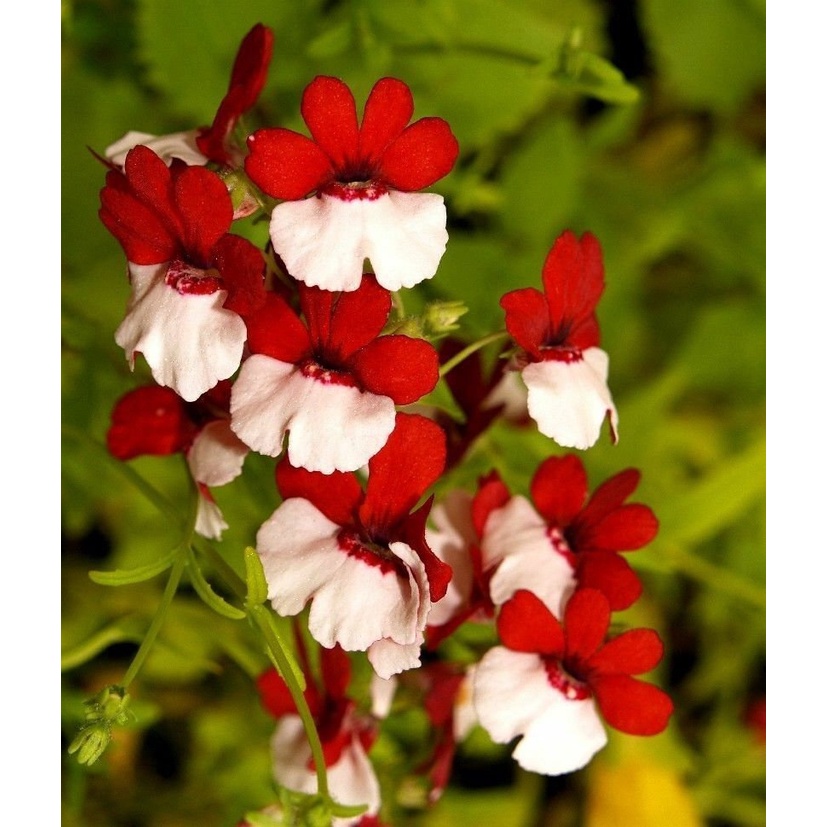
(639, 792)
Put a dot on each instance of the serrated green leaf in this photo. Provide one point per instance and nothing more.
(205, 591)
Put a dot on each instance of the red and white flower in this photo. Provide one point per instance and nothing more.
(567, 539)
(365, 178)
(191, 280)
(213, 143)
(551, 682)
(346, 735)
(564, 369)
(360, 556)
(155, 421)
(330, 380)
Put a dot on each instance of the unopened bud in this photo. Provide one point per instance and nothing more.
(440, 317)
(91, 742)
(244, 200)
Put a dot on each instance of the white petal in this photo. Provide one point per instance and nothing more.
(299, 552)
(332, 427)
(450, 539)
(511, 393)
(569, 400)
(175, 145)
(564, 738)
(389, 658)
(351, 779)
(209, 521)
(382, 691)
(544, 572)
(216, 455)
(190, 342)
(513, 527)
(465, 714)
(324, 240)
(511, 689)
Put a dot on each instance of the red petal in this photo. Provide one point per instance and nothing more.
(526, 318)
(151, 181)
(611, 494)
(412, 459)
(275, 330)
(285, 164)
(630, 653)
(274, 694)
(572, 279)
(358, 317)
(525, 624)
(329, 111)
(586, 620)
(412, 532)
(242, 268)
(335, 665)
(206, 210)
(610, 574)
(559, 489)
(317, 306)
(336, 495)
(425, 152)
(492, 493)
(627, 528)
(400, 367)
(632, 706)
(251, 63)
(388, 109)
(149, 421)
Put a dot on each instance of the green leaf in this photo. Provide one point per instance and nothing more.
(205, 591)
(124, 577)
(256, 581)
(119, 632)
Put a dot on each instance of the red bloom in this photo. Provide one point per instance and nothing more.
(580, 661)
(591, 531)
(246, 82)
(381, 153)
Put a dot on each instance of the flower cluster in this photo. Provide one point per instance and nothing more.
(295, 352)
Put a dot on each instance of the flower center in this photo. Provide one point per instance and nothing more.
(556, 353)
(374, 554)
(326, 375)
(571, 688)
(355, 190)
(193, 281)
(560, 544)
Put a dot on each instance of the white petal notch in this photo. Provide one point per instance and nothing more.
(324, 240)
(190, 342)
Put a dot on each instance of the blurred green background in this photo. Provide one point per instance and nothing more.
(643, 122)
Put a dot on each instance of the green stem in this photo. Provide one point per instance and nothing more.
(259, 615)
(160, 614)
(472, 348)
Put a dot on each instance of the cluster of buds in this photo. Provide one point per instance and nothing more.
(296, 352)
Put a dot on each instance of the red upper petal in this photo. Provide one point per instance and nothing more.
(357, 317)
(329, 111)
(525, 624)
(425, 152)
(151, 181)
(335, 667)
(627, 528)
(276, 697)
(611, 494)
(388, 109)
(412, 532)
(632, 706)
(317, 306)
(242, 266)
(285, 164)
(411, 460)
(586, 619)
(336, 495)
(526, 318)
(573, 280)
(150, 420)
(559, 489)
(275, 330)
(630, 653)
(610, 574)
(492, 493)
(400, 367)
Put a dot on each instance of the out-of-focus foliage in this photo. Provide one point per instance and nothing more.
(640, 121)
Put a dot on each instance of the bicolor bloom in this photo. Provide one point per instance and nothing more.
(212, 143)
(458, 523)
(550, 682)
(564, 538)
(564, 369)
(346, 735)
(155, 421)
(329, 380)
(191, 280)
(365, 179)
(360, 555)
